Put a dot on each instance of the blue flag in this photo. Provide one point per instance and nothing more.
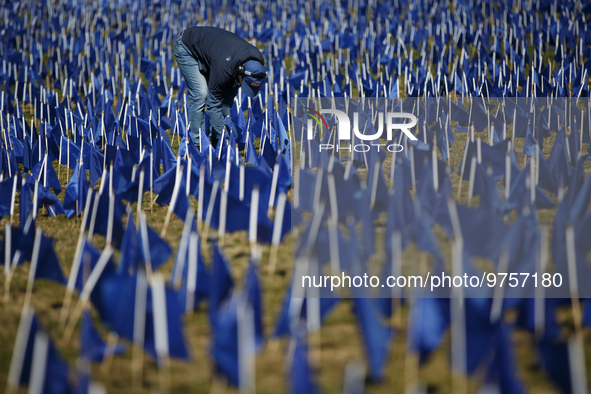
(301, 373)
(376, 336)
(92, 346)
(76, 192)
(202, 280)
(221, 284)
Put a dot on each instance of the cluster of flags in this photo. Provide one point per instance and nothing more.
(93, 88)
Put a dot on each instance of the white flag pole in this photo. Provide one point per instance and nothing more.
(277, 230)
(34, 263)
(139, 327)
(210, 206)
(160, 319)
(76, 263)
(182, 253)
(253, 220)
(192, 272)
(246, 346)
(458, 309)
(20, 347)
(573, 276)
(39, 363)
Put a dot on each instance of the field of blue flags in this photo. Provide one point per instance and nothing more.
(134, 261)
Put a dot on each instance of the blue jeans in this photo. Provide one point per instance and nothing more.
(198, 94)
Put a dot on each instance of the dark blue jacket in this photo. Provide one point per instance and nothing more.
(220, 52)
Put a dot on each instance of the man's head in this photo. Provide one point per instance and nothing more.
(252, 76)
